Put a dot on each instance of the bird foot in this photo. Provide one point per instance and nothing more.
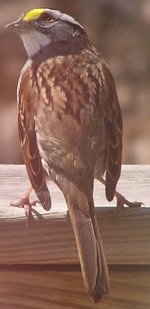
(122, 202)
(25, 203)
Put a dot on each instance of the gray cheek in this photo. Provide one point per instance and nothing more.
(34, 41)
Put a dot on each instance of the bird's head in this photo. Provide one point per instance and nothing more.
(41, 27)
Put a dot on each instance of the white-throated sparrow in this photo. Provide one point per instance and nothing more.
(70, 125)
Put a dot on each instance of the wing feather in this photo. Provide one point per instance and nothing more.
(27, 135)
(114, 128)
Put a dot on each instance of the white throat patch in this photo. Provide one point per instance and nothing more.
(34, 41)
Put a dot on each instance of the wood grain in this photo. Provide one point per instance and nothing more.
(50, 239)
(39, 266)
(61, 290)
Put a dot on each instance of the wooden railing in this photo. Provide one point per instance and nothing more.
(39, 266)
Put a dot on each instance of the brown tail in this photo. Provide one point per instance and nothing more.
(90, 248)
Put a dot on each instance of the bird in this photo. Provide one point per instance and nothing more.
(70, 127)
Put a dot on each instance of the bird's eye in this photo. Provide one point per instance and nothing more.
(45, 17)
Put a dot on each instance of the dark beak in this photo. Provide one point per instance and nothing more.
(19, 26)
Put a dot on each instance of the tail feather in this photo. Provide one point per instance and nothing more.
(90, 250)
(102, 283)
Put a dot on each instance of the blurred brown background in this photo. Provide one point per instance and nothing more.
(121, 32)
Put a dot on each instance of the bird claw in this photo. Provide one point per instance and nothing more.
(134, 204)
(23, 202)
(121, 202)
(27, 205)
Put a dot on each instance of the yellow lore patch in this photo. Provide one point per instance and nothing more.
(33, 14)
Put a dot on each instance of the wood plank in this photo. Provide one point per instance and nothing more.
(50, 239)
(39, 266)
(50, 289)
